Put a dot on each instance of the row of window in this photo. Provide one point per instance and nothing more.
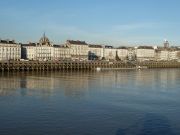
(61, 55)
(61, 51)
(9, 51)
(2, 54)
(43, 57)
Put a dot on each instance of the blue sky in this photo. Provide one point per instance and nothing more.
(116, 22)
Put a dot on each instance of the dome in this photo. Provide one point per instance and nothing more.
(44, 41)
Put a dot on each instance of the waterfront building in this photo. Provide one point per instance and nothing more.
(122, 53)
(163, 55)
(95, 52)
(9, 50)
(110, 53)
(28, 51)
(131, 54)
(44, 49)
(169, 54)
(41, 51)
(144, 53)
(61, 52)
(173, 55)
(44, 53)
(78, 49)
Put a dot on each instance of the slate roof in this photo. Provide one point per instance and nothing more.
(7, 41)
(77, 42)
(95, 46)
(145, 47)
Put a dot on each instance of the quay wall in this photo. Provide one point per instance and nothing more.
(88, 65)
(160, 64)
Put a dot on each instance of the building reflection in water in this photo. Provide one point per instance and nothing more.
(163, 79)
(8, 84)
(26, 84)
(77, 84)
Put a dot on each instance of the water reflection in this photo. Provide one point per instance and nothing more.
(77, 84)
(156, 125)
(144, 102)
(153, 124)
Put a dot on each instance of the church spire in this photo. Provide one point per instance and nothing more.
(44, 35)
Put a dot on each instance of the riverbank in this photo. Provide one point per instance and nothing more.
(85, 65)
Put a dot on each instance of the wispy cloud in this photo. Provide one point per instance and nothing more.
(62, 32)
(135, 26)
(118, 35)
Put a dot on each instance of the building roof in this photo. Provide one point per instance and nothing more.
(175, 48)
(30, 44)
(168, 49)
(77, 42)
(108, 46)
(60, 46)
(122, 47)
(95, 46)
(7, 41)
(56, 46)
(145, 47)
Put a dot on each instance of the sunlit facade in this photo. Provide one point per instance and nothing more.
(61, 53)
(145, 53)
(78, 49)
(110, 53)
(95, 52)
(9, 50)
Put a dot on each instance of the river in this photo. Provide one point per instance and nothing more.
(121, 102)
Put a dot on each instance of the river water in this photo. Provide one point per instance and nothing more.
(125, 102)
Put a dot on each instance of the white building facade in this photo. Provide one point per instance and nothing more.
(95, 52)
(110, 53)
(79, 49)
(41, 51)
(122, 53)
(44, 53)
(9, 50)
(61, 53)
(168, 55)
(163, 55)
(145, 53)
(28, 51)
(44, 50)
(131, 54)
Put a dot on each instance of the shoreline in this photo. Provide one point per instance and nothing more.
(85, 65)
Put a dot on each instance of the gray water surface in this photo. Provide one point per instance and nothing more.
(131, 102)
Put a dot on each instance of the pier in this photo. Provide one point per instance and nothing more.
(86, 65)
(60, 65)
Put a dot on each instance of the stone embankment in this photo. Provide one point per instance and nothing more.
(88, 65)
